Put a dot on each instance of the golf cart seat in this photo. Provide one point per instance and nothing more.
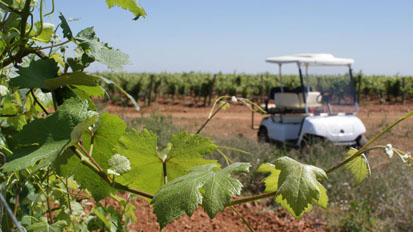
(296, 101)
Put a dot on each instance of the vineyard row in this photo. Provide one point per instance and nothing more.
(205, 86)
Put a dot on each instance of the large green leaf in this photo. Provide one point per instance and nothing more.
(297, 185)
(359, 166)
(187, 151)
(201, 186)
(34, 75)
(45, 33)
(46, 138)
(75, 78)
(131, 5)
(109, 130)
(99, 51)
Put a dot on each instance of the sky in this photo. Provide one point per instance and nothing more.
(237, 36)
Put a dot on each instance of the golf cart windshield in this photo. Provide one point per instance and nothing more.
(317, 94)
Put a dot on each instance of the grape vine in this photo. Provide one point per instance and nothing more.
(56, 148)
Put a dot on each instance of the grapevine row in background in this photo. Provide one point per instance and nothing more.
(205, 86)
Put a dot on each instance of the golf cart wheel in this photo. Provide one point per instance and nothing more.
(263, 135)
(361, 141)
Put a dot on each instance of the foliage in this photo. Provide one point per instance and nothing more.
(201, 186)
(255, 86)
(60, 149)
(296, 185)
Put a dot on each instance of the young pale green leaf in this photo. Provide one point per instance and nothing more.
(82, 127)
(297, 185)
(120, 163)
(67, 32)
(359, 166)
(43, 225)
(187, 151)
(183, 194)
(131, 5)
(46, 33)
(3, 90)
(34, 75)
(46, 138)
(109, 130)
(271, 182)
(101, 52)
(75, 78)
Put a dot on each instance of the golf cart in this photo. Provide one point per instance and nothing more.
(320, 107)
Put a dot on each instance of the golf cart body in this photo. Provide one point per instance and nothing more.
(318, 107)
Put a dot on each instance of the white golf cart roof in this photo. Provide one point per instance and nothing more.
(316, 59)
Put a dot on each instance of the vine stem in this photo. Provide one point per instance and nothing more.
(47, 197)
(106, 178)
(88, 155)
(364, 148)
(252, 198)
(10, 8)
(53, 46)
(209, 118)
(38, 103)
(242, 218)
(8, 210)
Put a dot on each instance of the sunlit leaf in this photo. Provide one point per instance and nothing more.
(131, 5)
(359, 166)
(146, 173)
(296, 184)
(183, 195)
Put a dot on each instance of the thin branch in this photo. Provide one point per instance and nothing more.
(235, 149)
(8, 210)
(364, 148)
(209, 118)
(52, 11)
(8, 115)
(89, 156)
(252, 198)
(10, 8)
(165, 175)
(38, 102)
(349, 159)
(242, 218)
(47, 197)
(106, 178)
(53, 46)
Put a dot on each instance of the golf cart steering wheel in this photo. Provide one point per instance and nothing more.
(325, 96)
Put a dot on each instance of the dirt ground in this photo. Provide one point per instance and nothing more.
(237, 121)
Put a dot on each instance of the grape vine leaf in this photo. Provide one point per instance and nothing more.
(74, 78)
(67, 32)
(46, 138)
(43, 225)
(101, 52)
(45, 33)
(203, 185)
(146, 174)
(297, 185)
(34, 75)
(109, 130)
(359, 166)
(131, 5)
